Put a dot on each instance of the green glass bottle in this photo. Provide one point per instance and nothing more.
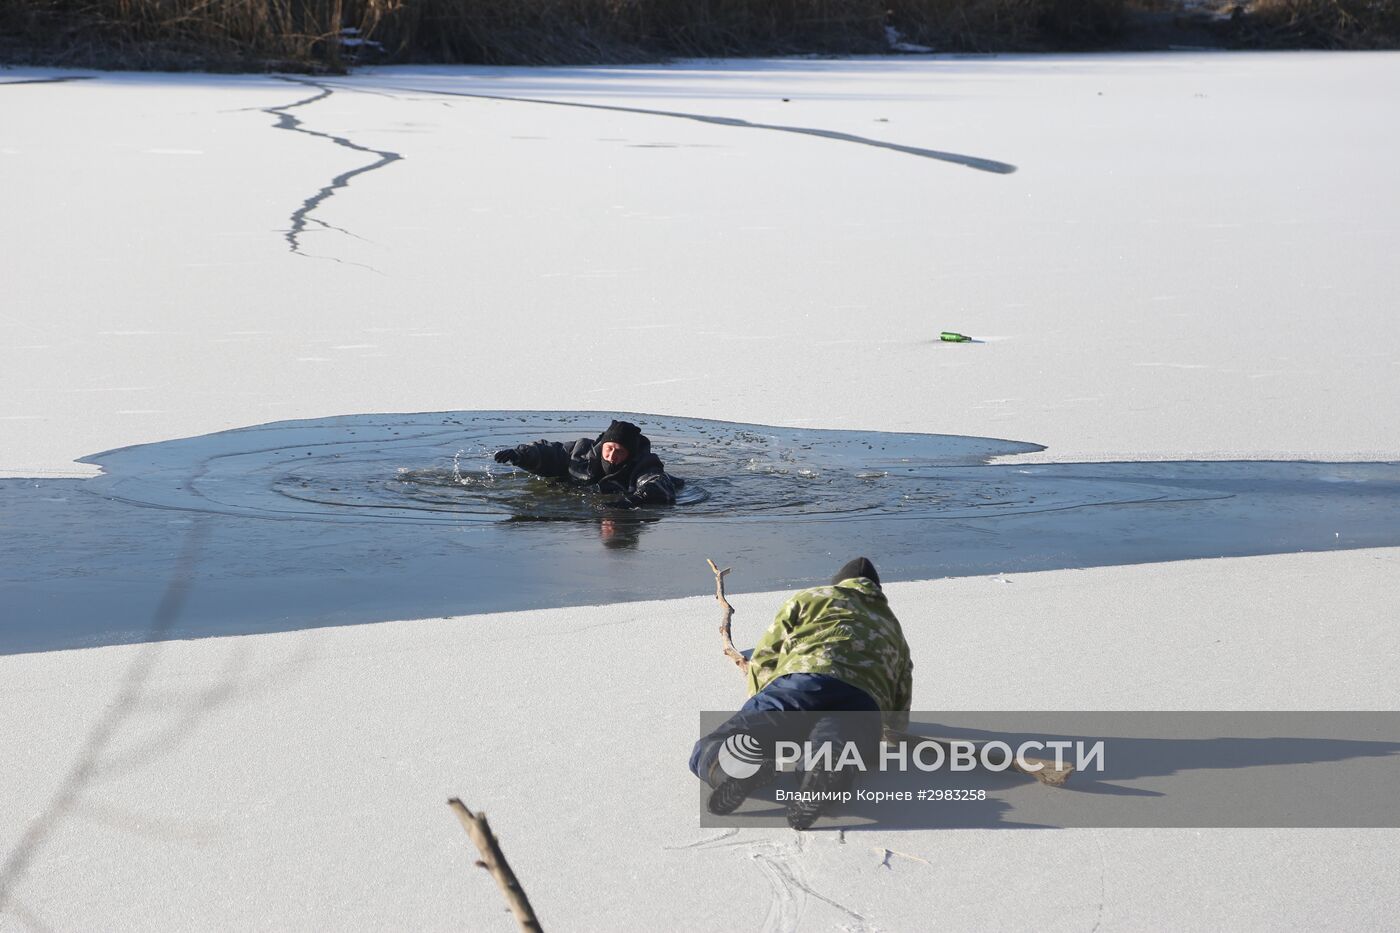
(949, 337)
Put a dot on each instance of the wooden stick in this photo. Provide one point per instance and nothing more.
(1042, 770)
(729, 650)
(494, 860)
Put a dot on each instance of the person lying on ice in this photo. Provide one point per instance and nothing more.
(831, 648)
(618, 461)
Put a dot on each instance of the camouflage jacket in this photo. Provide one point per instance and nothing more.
(846, 631)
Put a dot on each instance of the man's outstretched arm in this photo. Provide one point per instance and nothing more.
(543, 458)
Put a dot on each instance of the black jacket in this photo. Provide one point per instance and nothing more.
(641, 478)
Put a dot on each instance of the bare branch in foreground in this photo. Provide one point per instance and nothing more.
(494, 861)
(729, 650)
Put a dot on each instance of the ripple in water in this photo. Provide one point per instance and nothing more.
(438, 467)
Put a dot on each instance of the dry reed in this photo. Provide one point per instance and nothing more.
(312, 35)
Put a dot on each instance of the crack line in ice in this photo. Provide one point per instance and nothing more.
(711, 842)
(329, 226)
(790, 890)
(975, 162)
(301, 217)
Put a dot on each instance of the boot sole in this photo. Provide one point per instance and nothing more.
(801, 814)
(728, 797)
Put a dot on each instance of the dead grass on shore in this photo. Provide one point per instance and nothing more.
(184, 34)
(998, 25)
(1322, 24)
(327, 35)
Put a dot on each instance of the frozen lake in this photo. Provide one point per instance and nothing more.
(1179, 273)
(1192, 258)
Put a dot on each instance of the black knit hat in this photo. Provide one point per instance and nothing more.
(859, 567)
(623, 432)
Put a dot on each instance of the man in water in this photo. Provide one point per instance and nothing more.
(831, 648)
(618, 461)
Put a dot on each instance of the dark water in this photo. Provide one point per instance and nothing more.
(373, 517)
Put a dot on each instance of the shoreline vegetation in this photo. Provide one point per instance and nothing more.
(330, 36)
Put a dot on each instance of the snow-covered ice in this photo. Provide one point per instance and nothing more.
(1179, 256)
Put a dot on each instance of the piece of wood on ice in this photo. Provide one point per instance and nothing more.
(494, 861)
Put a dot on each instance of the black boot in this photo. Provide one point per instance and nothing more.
(803, 810)
(730, 792)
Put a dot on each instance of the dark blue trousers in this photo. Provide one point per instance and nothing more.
(791, 709)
